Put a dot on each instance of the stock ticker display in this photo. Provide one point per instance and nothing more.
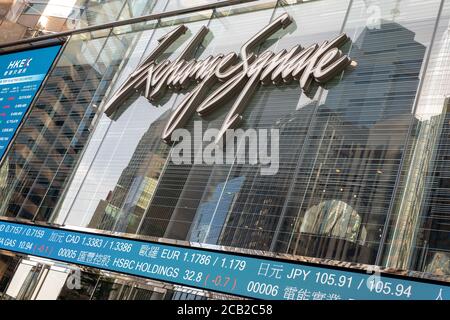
(221, 271)
(21, 76)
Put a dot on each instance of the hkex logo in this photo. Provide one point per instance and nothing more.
(23, 63)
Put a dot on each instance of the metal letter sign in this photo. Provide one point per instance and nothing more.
(318, 63)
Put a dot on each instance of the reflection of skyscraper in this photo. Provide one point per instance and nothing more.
(50, 142)
(373, 105)
(253, 219)
(4, 174)
(350, 154)
(360, 180)
(123, 208)
(420, 233)
(429, 236)
(211, 214)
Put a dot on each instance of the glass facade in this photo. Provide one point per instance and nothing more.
(363, 170)
(26, 19)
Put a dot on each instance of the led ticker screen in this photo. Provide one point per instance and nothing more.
(236, 274)
(21, 76)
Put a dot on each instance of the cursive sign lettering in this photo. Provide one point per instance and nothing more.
(238, 76)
